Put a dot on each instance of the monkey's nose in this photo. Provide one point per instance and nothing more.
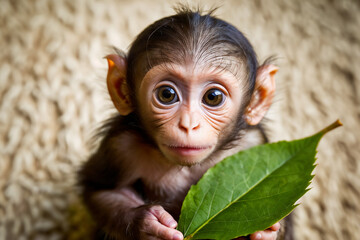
(189, 122)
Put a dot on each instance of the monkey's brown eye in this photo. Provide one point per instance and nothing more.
(213, 98)
(166, 95)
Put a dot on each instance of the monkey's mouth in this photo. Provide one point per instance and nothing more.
(188, 150)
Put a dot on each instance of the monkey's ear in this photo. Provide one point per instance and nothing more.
(116, 84)
(263, 94)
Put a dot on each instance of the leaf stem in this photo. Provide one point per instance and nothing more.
(334, 125)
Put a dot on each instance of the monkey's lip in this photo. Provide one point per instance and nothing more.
(188, 150)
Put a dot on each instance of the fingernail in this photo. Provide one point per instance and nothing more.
(177, 236)
(173, 224)
(258, 236)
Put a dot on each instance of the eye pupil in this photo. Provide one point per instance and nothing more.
(213, 97)
(167, 95)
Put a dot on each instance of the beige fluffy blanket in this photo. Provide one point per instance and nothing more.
(53, 96)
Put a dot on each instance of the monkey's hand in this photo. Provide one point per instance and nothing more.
(153, 222)
(268, 234)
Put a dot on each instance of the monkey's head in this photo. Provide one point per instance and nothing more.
(194, 82)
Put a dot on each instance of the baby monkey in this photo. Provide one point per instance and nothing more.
(189, 93)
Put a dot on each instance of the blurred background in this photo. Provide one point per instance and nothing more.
(53, 96)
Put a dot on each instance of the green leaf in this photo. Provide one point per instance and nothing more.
(251, 190)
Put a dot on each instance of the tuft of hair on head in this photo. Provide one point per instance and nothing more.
(183, 8)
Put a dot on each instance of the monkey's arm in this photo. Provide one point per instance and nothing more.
(105, 192)
(122, 214)
(108, 181)
(112, 210)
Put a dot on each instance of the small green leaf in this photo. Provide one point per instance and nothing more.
(251, 190)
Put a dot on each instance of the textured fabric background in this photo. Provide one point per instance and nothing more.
(53, 96)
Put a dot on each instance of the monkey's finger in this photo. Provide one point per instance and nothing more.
(157, 229)
(163, 216)
(275, 227)
(264, 235)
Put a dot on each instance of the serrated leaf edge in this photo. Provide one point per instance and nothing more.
(231, 203)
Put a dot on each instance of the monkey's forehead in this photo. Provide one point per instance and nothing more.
(215, 64)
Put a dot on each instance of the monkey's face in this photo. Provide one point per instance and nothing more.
(188, 110)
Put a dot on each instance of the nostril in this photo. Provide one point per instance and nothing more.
(196, 127)
(185, 129)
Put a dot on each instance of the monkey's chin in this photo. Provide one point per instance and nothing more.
(187, 155)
